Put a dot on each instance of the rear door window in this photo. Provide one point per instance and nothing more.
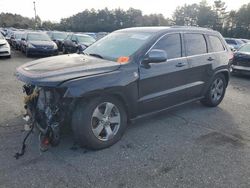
(216, 44)
(171, 44)
(195, 44)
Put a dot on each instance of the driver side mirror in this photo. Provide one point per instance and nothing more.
(155, 56)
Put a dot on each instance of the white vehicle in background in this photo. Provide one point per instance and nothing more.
(4, 47)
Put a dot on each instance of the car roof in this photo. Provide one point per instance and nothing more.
(168, 29)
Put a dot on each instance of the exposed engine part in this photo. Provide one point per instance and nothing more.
(52, 137)
(17, 155)
(44, 108)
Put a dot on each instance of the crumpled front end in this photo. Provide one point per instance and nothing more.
(46, 110)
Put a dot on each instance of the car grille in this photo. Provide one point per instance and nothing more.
(1, 45)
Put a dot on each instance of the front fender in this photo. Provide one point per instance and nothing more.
(122, 83)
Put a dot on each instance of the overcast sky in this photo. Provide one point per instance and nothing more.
(54, 10)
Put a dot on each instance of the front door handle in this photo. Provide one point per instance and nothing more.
(210, 59)
(181, 64)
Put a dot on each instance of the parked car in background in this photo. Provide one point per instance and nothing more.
(16, 40)
(91, 34)
(241, 60)
(23, 42)
(4, 47)
(9, 35)
(101, 35)
(2, 31)
(58, 38)
(76, 43)
(233, 43)
(245, 40)
(130, 73)
(38, 43)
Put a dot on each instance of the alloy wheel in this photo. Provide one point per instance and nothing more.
(105, 121)
(217, 89)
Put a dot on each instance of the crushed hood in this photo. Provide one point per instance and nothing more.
(53, 71)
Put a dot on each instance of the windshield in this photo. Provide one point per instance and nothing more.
(38, 37)
(18, 35)
(245, 48)
(116, 45)
(60, 36)
(85, 39)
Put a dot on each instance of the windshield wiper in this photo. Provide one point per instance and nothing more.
(96, 55)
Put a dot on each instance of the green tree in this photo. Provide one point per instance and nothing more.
(186, 15)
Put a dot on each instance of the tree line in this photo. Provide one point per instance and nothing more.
(235, 23)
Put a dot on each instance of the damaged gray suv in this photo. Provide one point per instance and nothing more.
(126, 75)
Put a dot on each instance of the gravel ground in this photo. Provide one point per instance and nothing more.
(191, 146)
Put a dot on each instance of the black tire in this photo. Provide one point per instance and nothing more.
(209, 99)
(64, 51)
(82, 123)
(27, 53)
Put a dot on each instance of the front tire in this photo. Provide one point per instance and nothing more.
(99, 123)
(216, 91)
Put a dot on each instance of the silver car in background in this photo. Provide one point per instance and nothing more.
(4, 47)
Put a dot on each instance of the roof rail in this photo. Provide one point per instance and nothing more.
(194, 27)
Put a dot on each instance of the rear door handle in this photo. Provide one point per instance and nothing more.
(210, 59)
(181, 64)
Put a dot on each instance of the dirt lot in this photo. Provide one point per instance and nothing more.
(192, 146)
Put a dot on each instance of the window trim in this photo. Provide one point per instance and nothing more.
(179, 33)
(222, 43)
(185, 44)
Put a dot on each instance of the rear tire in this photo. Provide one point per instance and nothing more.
(99, 123)
(216, 91)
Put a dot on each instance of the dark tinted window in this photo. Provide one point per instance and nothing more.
(195, 44)
(216, 44)
(171, 44)
(230, 41)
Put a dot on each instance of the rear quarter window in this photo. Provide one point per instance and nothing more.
(195, 44)
(216, 44)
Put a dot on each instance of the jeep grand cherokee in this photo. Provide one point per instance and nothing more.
(128, 74)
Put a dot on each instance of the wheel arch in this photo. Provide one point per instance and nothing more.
(117, 95)
(226, 74)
